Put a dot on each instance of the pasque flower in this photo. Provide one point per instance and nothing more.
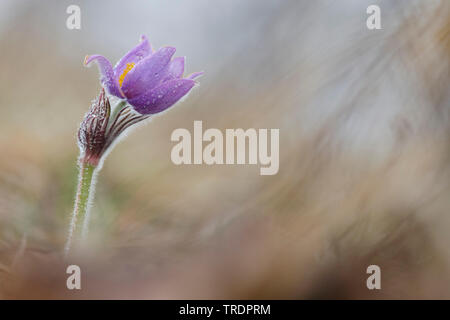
(150, 81)
(143, 82)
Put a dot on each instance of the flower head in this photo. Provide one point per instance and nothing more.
(150, 81)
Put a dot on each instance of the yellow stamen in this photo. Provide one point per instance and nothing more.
(124, 73)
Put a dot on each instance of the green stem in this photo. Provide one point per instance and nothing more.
(85, 193)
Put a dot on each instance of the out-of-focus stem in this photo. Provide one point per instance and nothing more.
(85, 194)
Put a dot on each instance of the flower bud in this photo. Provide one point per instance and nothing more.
(92, 139)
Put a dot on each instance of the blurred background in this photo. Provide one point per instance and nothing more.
(364, 152)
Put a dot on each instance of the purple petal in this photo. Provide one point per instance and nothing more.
(176, 69)
(142, 50)
(109, 81)
(194, 75)
(148, 73)
(162, 97)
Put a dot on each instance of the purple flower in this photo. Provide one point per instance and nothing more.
(150, 81)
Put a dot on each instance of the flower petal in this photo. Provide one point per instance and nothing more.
(142, 50)
(194, 75)
(162, 97)
(109, 81)
(148, 73)
(176, 68)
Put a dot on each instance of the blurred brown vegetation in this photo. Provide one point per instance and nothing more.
(364, 158)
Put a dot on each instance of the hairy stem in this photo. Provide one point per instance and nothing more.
(85, 193)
